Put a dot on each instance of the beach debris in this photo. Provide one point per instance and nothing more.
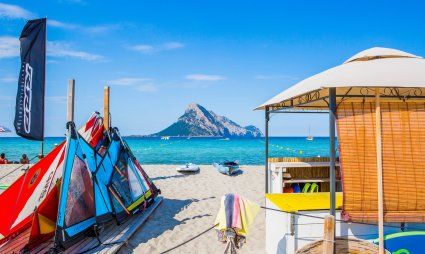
(234, 219)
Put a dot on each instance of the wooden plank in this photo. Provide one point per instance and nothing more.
(119, 235)
(302, 164)
(328, 235)
(106, 119)
(379, 172)
(316, 180)
(112, 236)
(70, 100)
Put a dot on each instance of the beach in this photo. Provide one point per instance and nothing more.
(189, 207)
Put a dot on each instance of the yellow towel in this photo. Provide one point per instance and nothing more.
(220, 220)
(248, 212)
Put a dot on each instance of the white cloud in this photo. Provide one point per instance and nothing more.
(61, 49)
(129, 81)
(172, 45)
(8, 79)
(6, 98)
(56, 23)
(150, 49)
(139, 84)
(14, 12)
(148, 88)
(56, 99)
(9, 47)
(204, 77)
(99, 29)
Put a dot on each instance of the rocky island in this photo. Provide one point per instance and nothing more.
(200, 122)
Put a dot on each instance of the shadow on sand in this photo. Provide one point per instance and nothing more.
(239, 172)
(163, 220)
(169, 177)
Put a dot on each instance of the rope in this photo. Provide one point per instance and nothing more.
(190, 239)
(294, 213)
(13, 170)
(338, 220)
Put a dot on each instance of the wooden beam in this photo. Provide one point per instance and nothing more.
(106, 119)
(379, 171)
(329, 235)
(70, 101)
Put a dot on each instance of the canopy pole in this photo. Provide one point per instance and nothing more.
(332, 117)
(106, 118)
(70, 101)
(379, 173)
(267, 118)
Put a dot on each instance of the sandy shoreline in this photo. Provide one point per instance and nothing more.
(190, 205)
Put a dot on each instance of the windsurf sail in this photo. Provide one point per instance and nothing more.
(19, 201)
(30, 204)
(76, 212)
(129, 187)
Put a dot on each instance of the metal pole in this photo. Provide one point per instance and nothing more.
(267, 118)
(42, 150)
(332, 117)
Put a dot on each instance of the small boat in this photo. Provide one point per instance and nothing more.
(188, 168)
(227, 168)
(165, 138)
(309, 137)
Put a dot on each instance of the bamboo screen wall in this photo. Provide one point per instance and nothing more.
(403, 152)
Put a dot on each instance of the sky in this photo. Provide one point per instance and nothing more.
(229, 56)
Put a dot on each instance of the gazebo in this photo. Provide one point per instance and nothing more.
(376, 99)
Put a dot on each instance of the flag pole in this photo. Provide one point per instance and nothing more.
(44, 82)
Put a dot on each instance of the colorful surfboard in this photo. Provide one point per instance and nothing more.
(411, 242)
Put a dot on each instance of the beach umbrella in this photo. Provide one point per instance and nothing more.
(4, 129)
(375, 67)
(373, 75)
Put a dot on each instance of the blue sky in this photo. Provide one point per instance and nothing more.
(229, 56)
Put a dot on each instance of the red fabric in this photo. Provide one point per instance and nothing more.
(14, 198)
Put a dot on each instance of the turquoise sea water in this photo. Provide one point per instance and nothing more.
(196, 150)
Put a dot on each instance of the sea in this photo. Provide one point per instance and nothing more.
(184, 150)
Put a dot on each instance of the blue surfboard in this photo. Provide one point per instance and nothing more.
(411, 242)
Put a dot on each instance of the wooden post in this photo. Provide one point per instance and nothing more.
(379, 171)
(329, 235)
(106, 120)
(70, 101)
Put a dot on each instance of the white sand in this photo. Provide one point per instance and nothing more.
(190, 205)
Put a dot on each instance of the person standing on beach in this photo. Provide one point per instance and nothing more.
(24, 159)
(3, 159)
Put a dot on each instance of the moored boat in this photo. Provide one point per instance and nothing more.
(227, 168)
(188, 168)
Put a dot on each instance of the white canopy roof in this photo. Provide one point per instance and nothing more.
(375, 67)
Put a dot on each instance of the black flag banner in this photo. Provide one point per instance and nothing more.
(29, 114)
